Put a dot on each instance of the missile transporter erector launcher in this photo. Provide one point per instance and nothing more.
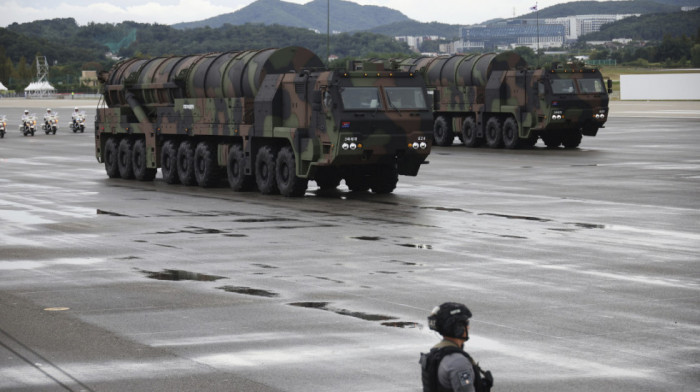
(494, 99)
(273, 118)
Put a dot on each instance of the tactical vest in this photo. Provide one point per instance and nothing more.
(483, 381)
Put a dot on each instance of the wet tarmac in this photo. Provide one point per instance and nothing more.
(582, 269)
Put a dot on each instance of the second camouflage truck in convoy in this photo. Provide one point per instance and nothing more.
(275, 118)
(495, 99)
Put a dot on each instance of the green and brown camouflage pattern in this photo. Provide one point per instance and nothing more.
(482, 86)
(277, 97)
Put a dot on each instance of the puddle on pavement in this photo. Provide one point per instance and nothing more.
(265, 266)
(522, 217)
(325, 278)
(587, 225)
(110, 213)
(343, 312)
(193, 230)
(400, 262)
(178, 275)
(402, 324)
(447, 209)
(367, 238)
(248, 291)
(265, 220)
(417, 246)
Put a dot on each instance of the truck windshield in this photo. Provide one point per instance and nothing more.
(360, 98)
(591, 86)
(563, 86)
(405, 97)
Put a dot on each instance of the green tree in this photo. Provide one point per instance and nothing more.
(695, 56)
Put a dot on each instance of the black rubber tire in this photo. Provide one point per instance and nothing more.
(357, 181)
(511, 136)
(385, 179)
(110, 157)
(328, 179)
(551, 139)
(168, 162)
(265, 176)
(288, 183)
(469, 133)
(494, 133)
(138, 161)
(442, 131)
(124, 153)
(571, 139)
(206, 165)
(235, 170)
(185, 163)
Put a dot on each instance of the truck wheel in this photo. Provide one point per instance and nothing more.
(265, 171)
(385, 179)
(138, 161)
(327, 179)
(469, 137)
(551, 139)
(442, 131)
(235, 170)
(571, 138)
(285, 171)
(124, 153)
(110, 157)
(494, 133)
(185, 163)
(206, 165)
(168, 162)
(511, 138)
(357, 181)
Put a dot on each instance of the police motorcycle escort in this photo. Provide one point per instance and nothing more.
(50, 122)
(28, 125)
(78, 123)
(3, 126)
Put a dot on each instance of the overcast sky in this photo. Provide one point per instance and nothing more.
(174, 11)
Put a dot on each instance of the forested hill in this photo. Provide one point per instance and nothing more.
(63, 41)
(611, 7)
(650, 27)
(345, 15)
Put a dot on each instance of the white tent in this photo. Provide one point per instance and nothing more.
(2, 87)
(39, 89)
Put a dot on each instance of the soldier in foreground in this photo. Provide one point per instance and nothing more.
(447, 367)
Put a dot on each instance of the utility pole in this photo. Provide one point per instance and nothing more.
(328, 36)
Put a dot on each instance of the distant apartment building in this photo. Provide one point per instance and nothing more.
(510, 34)
(543, 33)
(414, 42)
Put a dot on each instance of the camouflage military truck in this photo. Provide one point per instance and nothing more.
(494, 98)
(273, 118)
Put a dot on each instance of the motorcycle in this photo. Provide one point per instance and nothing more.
(28, 126)
(50, 123)
(3, 126)
(78, 123)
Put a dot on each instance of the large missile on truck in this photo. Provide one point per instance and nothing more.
(275, 118)
(495, 98)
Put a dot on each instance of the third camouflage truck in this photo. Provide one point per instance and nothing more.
(496, 99)
(275, 118)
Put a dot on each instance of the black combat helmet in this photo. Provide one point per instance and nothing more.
(450, 319)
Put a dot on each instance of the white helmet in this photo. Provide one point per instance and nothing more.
(26, 111)
(48, 110)
(76, 108)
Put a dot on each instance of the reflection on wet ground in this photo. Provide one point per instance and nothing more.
(178, 275)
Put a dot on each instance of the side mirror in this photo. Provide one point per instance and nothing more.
(609, 86)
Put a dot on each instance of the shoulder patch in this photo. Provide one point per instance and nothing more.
(464, 378)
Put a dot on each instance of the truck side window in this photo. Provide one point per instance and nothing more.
(540, 88)
(327, 100)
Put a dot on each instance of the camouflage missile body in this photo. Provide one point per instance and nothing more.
(494, 98)
(274, 118)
